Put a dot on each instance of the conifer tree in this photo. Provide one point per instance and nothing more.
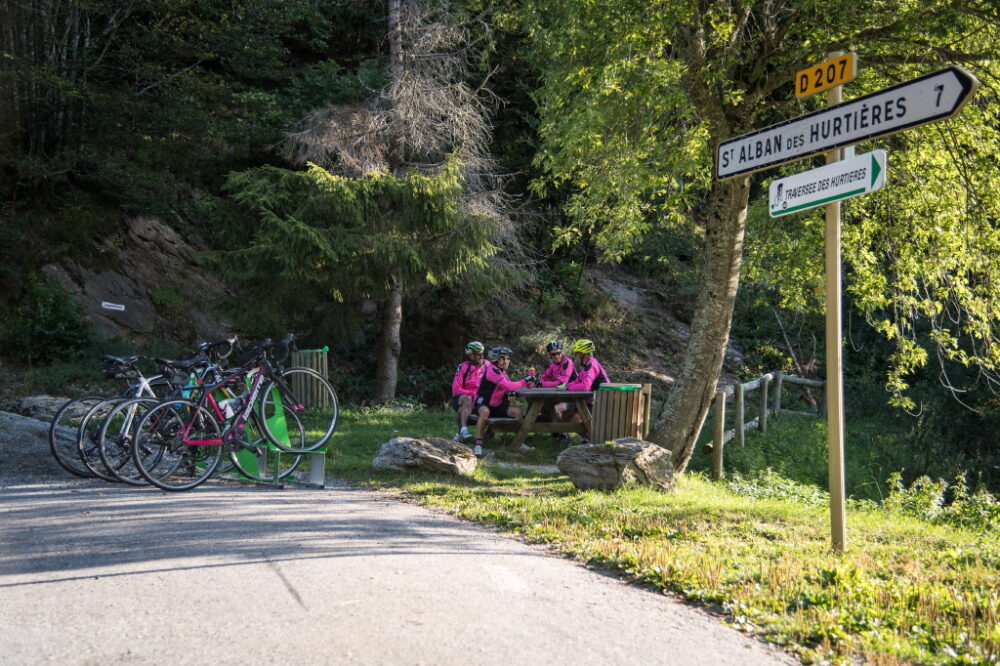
(400, 188)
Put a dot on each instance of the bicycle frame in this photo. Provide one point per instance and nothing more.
(237, 424)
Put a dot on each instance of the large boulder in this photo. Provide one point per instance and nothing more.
(24, 449)
(624, 462)
(433, 454)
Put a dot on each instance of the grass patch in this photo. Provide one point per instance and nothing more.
(907, 591)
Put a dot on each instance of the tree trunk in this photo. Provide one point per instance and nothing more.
(397, 151)
(390, 344)
(689, 401)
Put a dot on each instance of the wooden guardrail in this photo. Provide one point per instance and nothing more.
(766, 408)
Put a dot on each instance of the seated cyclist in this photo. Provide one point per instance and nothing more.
(560, 372)
(590, 374)
(493, 400)
(465, 386)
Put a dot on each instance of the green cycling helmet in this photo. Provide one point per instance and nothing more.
(583, 346)
(474, 348)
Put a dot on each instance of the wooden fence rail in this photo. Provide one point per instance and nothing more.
(765, 408)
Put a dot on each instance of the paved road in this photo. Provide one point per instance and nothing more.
(97, 574)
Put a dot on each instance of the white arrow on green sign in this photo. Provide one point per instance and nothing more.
(834, 182)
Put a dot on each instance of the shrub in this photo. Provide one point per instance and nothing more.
(925, 499)
(48, 326)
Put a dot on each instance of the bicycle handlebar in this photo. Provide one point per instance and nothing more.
(219, 350)
(251, 355)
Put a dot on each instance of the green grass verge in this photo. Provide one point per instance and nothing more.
(906, 591)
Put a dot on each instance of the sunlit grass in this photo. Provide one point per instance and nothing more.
(906, 591)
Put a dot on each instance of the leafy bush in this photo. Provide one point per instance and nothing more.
(926, 499)
(48, 327)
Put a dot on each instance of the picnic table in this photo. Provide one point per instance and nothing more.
(540, 399)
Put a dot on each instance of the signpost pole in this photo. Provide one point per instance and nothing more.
(834, 370)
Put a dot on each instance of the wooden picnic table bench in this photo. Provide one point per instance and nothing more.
(538, 399)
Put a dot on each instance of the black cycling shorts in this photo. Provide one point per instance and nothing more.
(499, 412)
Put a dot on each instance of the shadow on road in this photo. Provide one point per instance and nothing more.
(71, 529)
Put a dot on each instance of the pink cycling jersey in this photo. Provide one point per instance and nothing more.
(467, 378)
(587, 379)
(495, 386)
(557, 373)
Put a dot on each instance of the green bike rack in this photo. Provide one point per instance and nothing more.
(278, 426)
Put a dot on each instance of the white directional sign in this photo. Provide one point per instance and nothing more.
(926, 99)
(841, 180)
(112, 306)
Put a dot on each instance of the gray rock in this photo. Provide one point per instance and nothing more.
(147, 256)
(433, 454)
(734, 358)
(24, 448)
(625, 462)
(43, 407)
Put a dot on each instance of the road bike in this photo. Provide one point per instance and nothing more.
(179, 443)
(64, 431)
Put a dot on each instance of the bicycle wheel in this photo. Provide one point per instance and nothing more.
(63, 432)
(254, 459)
(114, 440)
(88, 438)
(162, 450)
(307, 401)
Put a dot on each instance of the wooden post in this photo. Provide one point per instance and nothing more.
(738, 405)
(647, 392)
(718, 434)
(834, 368)
(778, 378)
(762, 414)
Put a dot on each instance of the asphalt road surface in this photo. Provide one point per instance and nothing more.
(92, 573)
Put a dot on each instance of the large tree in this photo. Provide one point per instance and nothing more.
(637, 96)
(428, 115)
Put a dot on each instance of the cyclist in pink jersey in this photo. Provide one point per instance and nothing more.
(465, 386)
(559, 373)
(493, 400)
(561, 369)
(590, 374)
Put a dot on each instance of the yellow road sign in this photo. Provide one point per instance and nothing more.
(831, 73)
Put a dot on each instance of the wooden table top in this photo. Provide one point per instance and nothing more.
(553, 393)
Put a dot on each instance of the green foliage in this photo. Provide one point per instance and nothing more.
(609, 104)
(168, 299)
(349, 236)
(632, 98)
(327, 82)
(48, 326)
(927, 500)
